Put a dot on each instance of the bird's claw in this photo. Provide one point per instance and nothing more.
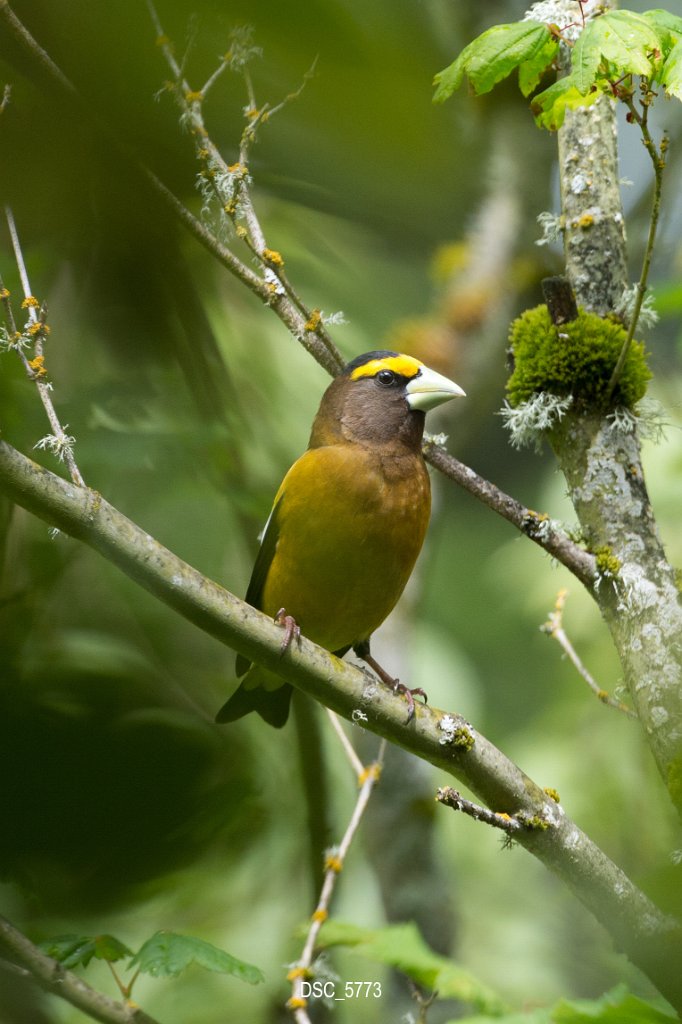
(292, 630)
(409, 695)
(393, 684)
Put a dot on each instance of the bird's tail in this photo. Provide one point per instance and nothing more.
(271, 704)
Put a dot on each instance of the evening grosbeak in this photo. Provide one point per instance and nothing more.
(348, 521)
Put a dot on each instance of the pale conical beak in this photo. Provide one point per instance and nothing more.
(429, 389)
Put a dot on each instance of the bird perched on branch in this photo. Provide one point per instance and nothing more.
(347, 523)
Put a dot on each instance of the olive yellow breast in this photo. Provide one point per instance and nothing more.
(350, 522)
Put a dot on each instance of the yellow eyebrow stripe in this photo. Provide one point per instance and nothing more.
(406, 366)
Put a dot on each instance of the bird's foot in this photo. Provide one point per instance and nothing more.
(292, 630)
(409, 695)
(395, 685)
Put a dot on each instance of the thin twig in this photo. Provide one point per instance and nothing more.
(658, 162)
(276, 286)
(554, 628)
(535, 525)
(452, 798)
(53, 978)
(58, 441)
(356, 764)
(335, 859)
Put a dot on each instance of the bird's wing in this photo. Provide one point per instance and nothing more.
(266, 553)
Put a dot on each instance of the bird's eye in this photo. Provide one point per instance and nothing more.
(385, 377)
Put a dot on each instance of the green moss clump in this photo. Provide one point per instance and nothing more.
(575, 359)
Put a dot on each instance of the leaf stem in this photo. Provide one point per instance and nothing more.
(657, 155)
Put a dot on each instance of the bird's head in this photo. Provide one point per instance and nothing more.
(380, 397)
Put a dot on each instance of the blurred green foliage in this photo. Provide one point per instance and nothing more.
(125, 809)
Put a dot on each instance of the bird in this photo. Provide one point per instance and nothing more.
(347, 523)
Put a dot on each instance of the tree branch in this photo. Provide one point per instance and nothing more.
(55, 979)
(535, 525)
(652, 939)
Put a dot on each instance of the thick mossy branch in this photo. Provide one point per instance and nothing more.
(576, 359)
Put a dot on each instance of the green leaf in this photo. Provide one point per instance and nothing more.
(626, 41)
(531, 71)
(667, 25)
(540, 1015)
(402, 947)
(169, 954)
(671, 72)
(615, 1007)
(550, 105)
(78, 950)
(493, 55)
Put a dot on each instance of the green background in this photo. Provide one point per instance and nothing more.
(124, 808)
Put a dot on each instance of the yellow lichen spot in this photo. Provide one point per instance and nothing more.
(603, 696)
(38, 366)
(4, 293)
(462, 738)
(552, 794)
(241, 231)
(608, 564)
(540, 517)
(230, 208)
(30, 302)
(162, 41)
(586, 221)
(296, 1003)
(38, 328)
(503, 815)
(299, 972)
(534, 822)
(194, 96)
(251, 113)
(333, 863)
(273, 257)
(237, 168)
(320, 916)
(314, 320)
(372, 771)
(202, 153)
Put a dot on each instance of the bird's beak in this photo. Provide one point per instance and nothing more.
(429, 389)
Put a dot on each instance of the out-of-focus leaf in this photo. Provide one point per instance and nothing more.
(615, 1007)
(79, 950)
(169, 954)
(402, 947)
